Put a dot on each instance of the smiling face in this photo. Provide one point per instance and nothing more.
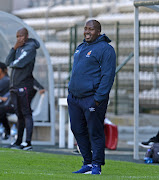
(91, 31)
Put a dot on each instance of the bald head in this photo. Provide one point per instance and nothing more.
(92, 30)
(23, 31)
(96, 24)
(22, 36)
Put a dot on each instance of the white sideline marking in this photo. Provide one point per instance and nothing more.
(139, 177)
(49, 174)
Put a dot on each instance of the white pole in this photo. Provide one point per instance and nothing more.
(70, 136)
(136, 83)
(61, 126)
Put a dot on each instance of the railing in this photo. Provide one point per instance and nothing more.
(119, 67)
(124, 62)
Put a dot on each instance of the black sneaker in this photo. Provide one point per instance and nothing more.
(25, 146)
(14, 146)
(76, 152)
(150, 142)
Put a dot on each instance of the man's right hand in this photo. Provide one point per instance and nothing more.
(41, 91)
(3, 99)
(19, 44)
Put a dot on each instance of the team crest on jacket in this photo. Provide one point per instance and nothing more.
(89, 53)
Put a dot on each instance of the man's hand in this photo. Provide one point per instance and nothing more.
(3, 99)
(41, 91)
(97, 103)
(19, 44)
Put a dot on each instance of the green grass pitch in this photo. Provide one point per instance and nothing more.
(27, 165)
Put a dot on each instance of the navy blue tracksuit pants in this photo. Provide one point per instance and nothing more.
(87, 125)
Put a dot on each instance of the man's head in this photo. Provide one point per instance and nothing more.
(3, 70)
(22, 35)
(92, 30)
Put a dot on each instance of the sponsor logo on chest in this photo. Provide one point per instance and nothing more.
(89, 54)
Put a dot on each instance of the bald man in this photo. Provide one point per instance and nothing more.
(89, 87)
(21, 60)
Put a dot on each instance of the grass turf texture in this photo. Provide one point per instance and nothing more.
(24, 165)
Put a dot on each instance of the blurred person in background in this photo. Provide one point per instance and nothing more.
(150, 142)
(5, 105)
(21, 60)
(5, 101)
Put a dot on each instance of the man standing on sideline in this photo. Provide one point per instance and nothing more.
(21, 59)
(89, 87)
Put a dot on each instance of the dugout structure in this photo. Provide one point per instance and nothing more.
(43, 70)
(154, 5)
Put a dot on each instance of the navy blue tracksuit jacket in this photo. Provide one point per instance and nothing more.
(93, 69)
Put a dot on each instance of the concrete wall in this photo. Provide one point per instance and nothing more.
(20, 4)
(6, 5)
(10, 5)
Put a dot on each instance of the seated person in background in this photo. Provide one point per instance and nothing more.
(151, 141)
(4, 105)
(37, 87)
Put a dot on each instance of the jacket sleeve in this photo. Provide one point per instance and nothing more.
(24, 59)
(4, 84)
(37, 85)
(108, 66)
(11, 57)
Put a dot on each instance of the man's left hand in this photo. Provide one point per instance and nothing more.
(97, 103)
